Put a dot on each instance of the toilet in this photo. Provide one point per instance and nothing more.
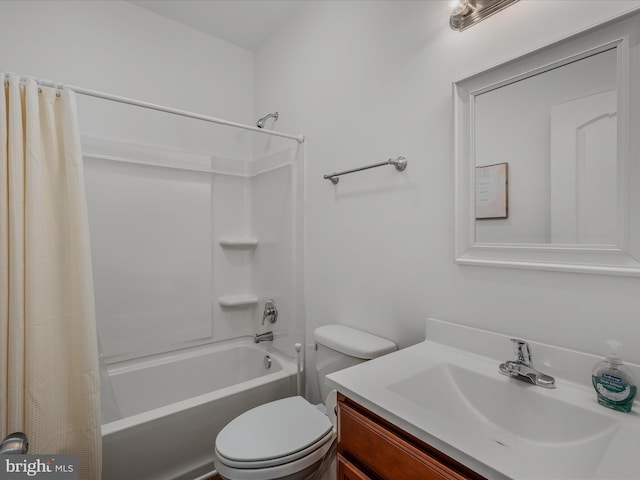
(289, 439)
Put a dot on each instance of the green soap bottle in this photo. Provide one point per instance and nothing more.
(614, 381)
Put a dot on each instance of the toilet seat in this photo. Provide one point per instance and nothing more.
(273, 440)
(298, 469)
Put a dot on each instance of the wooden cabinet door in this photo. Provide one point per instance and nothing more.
(389, 453)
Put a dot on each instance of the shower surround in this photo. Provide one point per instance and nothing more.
(186, 249)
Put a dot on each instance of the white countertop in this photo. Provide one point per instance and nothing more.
(500, 427)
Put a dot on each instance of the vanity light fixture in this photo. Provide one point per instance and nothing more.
(469, 12)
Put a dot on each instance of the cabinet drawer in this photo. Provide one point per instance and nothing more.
(385, 454)
(348, 471)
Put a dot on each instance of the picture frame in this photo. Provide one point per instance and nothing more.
(492, 191)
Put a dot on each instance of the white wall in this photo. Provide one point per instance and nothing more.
(365, 81)
(116, 47)
(119, 48)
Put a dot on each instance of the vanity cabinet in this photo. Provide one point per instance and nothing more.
(369, 447)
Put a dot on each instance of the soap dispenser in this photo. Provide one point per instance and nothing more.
(614, 381)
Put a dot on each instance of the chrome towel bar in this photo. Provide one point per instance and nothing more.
(400, 163)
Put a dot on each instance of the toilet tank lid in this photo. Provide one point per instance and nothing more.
(352, 342)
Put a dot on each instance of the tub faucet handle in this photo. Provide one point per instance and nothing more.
(270, 312)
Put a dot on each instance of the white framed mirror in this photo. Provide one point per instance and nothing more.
(547, 151)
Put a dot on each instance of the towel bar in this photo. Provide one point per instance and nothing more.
(400, 163)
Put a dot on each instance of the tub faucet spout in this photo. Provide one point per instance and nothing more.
(263, 337)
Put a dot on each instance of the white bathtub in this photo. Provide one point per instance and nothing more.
(173, 406)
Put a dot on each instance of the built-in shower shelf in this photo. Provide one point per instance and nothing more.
(238, 242)
(238, 301)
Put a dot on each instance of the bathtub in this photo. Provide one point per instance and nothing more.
(173, 406)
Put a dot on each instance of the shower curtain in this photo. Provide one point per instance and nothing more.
(49, 379)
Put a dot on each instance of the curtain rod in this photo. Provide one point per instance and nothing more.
(162, 108)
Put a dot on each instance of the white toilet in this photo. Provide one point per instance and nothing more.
(288, 439)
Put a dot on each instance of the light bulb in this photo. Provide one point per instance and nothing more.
(461, 7)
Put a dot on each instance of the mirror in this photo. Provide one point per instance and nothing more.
(546, 166)
(560, 146)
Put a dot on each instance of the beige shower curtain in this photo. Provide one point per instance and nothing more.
(49, 382)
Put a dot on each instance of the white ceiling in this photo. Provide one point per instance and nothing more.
(246, 23)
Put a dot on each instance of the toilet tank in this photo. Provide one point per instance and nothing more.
(340, 347)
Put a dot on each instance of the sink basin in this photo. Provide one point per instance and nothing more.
(494, 414)
(500, 406)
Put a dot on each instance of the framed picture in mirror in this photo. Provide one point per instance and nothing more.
(492, 191)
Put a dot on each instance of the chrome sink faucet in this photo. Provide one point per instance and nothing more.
(522, 368)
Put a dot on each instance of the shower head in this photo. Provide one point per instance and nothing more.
(260, 123)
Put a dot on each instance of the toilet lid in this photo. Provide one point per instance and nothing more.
(273, 430)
